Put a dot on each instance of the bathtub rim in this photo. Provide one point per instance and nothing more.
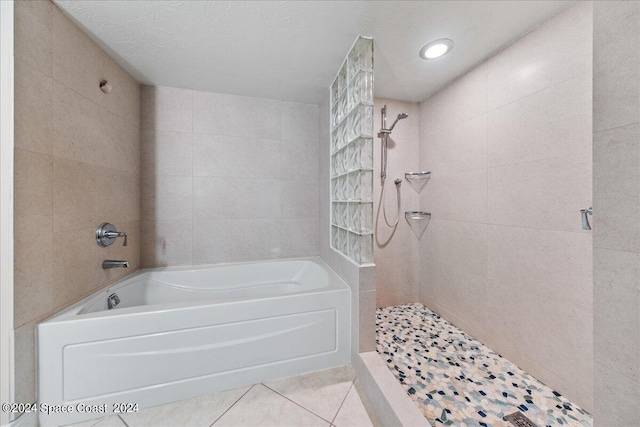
(71, 313)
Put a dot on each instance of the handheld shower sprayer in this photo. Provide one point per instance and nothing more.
(384, 136)
(400, 117)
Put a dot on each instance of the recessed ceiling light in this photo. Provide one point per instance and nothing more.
(436, 48)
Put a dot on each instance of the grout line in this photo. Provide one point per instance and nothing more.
(343, 400)
(513, 226)
(232, 405)
(297, 404)
(193, 190)
(122, 419)
(596, 132)
(77, 92)
(574, 157)
(575, 76)
(488, 110)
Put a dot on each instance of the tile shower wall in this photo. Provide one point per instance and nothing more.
(227, 178)
(504, 257)
(616, 202)
(76, 166)
(396, 250)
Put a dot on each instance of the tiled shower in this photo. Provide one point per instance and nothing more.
(504, 257)
(515, 148)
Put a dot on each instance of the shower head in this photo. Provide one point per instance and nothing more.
(400, 117)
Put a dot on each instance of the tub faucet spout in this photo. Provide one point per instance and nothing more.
(111, 263)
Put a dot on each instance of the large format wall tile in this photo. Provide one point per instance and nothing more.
(556, 51)
(616, 58)
(457, 103)
(85, 195)
(33, 277)
(33, 201)
(79, 64)
(219, 198)
(547, 124)
(300, 122)
(226, 240)
(78, 267)
(616, 174)
(33, 104)
(617, 398)
(167, 198)
(300, 237)
(25, 362)
(166, 242)
(460, 245)
(545, 194)
(86, 132)
(542, 262)
(300, 161)
(231, 157)
(394, 242)
(367, 321)
(300, 198)
(231, 115)
(462, 148)
(457, 196)
(616, 300)
(166, 153)
(166, 108)
(33, 35)
(398, 280)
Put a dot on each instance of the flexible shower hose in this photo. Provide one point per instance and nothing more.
(398, 182)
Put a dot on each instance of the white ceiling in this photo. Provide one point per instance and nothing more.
(291, 50)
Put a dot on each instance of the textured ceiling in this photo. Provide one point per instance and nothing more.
(291, 50)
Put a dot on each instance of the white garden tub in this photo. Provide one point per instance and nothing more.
(187, 331)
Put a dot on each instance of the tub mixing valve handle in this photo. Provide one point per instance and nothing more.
(106, 234)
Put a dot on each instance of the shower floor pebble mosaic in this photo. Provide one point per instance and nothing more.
(457, 381)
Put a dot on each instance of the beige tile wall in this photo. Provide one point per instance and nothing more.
(396, 250)
(77, 162)
(227, 178)
(510, 149)
(616, 204)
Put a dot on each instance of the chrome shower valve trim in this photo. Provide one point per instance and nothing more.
(107, 233)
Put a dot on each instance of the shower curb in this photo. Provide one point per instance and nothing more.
(391, 404)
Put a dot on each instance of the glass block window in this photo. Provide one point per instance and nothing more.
(352, 154)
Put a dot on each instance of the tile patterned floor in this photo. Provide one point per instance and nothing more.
(325, 398)
(456, 380)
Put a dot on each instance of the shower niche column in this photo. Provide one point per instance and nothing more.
(352, 154)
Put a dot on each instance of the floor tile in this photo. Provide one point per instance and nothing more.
(456, 380)
(200, 411)
(320, 392)
(266, 408)
(352, 412)
(112, 421)
(88, 423)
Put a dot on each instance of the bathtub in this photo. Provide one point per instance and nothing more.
(186, 331)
